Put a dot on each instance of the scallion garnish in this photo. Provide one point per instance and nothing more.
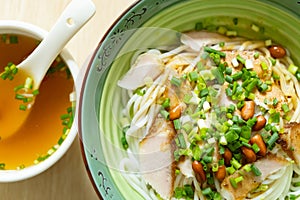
(218, 75)
(271, 141)
(293, 69)
(176, 81)
(255, 170)
(177, 124)
(9, 71)
(211, 50)
(165, 114)
(241, 59)
(193, 76)
(2, 166)
(166, 103)
(285, 108)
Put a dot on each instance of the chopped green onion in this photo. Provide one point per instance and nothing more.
(207, 191)
(293, 69)
(237, 75)
(193, 76)
(240, 59)
(255, 148)
(247, 167)
(235, 163)
(285, 108)
(13, 39)
(228, 70)
(233, 183)
(231, 33)
(187, 98)
(270, 143)
(140, 92)
(229, 79)
(256, 55)
(273, 61)
(274, 117)
(255, 170)
(239, 179)
(204, 92)
(222, 44)
(228, 92)
(2, 166)
(176, 81)
(231, 136)
(177, 124)
(165, 114)
(28, 83)
(211, 50)
(264, 66)
(268, 43)
(230, 169)
(35, 92)
(207, 159)
(166, 103)
(251, 85)
(218, 75)
(298, 75)
(215, 167)
(181, 141)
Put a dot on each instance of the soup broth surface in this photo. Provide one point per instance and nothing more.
(43, 126)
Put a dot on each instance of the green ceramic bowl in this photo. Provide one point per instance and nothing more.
(155, 23)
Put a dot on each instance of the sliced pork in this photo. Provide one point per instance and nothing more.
(157, 157)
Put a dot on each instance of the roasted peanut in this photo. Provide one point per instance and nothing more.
(227, 157)
(198, 169)
(260, 123)
(248, 110)
(249, 154)
(257, 139)
(175, 112)
(221, 173)
(277, 51)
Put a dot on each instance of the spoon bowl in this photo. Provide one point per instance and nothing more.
(36, 65)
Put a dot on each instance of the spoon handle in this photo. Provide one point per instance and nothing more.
(76, 14)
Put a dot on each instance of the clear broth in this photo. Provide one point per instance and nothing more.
(43, 128)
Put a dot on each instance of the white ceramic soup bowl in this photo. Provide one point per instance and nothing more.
(22, 28)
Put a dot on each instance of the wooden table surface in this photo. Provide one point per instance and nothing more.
(67, 179)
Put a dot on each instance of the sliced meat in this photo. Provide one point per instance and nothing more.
(290, 141)
(255, 63)
(148, 65)
(196, 40)
(156, 154)
(267, 166)
(275, 92)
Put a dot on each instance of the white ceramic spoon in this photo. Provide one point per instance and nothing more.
(77, 13)
(36, 65)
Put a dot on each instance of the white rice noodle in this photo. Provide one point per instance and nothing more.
(192, 65)
(284, 71)
(165, 56)
(279, 184)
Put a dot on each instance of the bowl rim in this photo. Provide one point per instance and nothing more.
(85, 68)
(16, 26)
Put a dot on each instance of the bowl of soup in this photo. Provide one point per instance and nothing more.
(48, 130)
(195, 99)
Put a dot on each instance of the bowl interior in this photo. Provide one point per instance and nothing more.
(22, 28)
(157, 25)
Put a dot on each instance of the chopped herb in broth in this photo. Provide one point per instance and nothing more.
(44, 130)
